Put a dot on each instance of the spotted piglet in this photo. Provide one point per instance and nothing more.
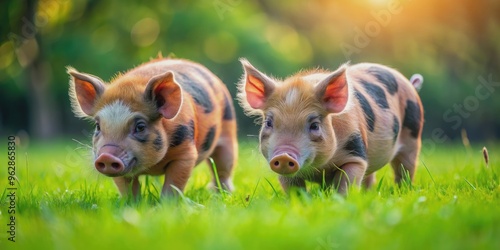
(336, 127)
(160, 118)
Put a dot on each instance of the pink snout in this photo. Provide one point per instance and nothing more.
(109, 161)
(109, 164)
(284, 164)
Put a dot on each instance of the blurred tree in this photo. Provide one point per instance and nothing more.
(42, 118)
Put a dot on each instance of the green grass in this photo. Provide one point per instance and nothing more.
(454, 203)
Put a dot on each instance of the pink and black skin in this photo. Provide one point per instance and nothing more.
(161, 118)
(338, 126)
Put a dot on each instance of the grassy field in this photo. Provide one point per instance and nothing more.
(454, 203)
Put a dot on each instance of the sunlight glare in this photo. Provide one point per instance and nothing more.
(380, 2)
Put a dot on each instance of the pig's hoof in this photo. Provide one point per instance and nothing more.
(227, 186)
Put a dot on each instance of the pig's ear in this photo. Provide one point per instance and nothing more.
(255, 87)
(84, 90)
(333, 91)
(165, 93)
(417, 80)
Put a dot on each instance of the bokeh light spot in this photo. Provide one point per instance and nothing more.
(27, 52)
(221, 47)
(145, 32)
(289, 43)
(6, 54)
(104, 38)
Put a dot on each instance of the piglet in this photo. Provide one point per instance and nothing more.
(336, 127)
(160, 118)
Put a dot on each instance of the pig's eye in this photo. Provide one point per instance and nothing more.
(314, 126)
(140, 127)
(97, 127)
(268, 123)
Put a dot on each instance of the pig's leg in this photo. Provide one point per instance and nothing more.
(225, 156)
(368, 180)
(349, 174)
(405, 161)
(177, 174)
(287, 183)
(126, 186)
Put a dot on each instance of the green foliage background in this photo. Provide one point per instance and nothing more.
(450, 42)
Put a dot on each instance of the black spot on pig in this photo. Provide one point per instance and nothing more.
(209, 139)
(395, 128)
(182, 133)
(196, 90)
(377, 93)
(355, 146)
(367, 110)
(386, 78)
(204, 75)
(228, 108)
(191, 126)
(158, 141)
(412, 118)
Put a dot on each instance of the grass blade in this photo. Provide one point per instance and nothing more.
(406, 177)
(470, 184)
(274, 190)
(217, 180)
(429, 172)
(379, 186)
(323, 182)
(253, 193)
